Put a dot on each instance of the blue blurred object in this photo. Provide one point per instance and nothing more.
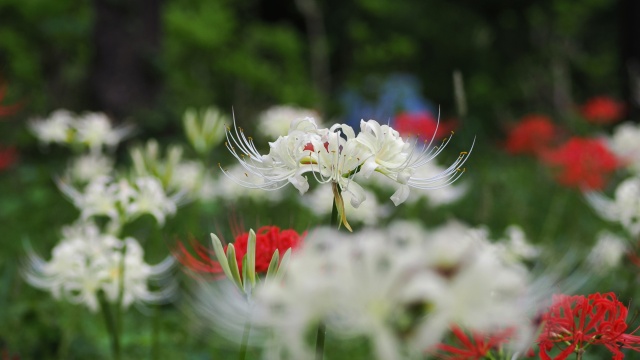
(382, 101)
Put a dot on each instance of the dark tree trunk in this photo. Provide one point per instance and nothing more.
(125, 76)
(630, 45)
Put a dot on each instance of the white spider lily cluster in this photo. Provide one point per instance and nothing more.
(93, 130)
(122, 200)
(86, 262)
(401, 291)
(337, 156)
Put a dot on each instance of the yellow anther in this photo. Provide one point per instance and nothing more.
(245, 174)
(463, 153)
(250, 138)
(452, 132)
(240, 129)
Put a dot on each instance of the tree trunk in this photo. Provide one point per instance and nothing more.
(125, 74)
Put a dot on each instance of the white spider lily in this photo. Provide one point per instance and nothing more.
(55, 129)
(121, 200)
(95, 130)
(86, 167)
(86, 262)
(286, 161)
(335, 156)
(399, 159)
(150, 198)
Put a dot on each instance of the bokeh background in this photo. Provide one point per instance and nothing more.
(145, 62)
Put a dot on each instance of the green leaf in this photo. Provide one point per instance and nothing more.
(245, 268)
(233, 265)
(282, 268)
(273, 265)
(220, 255)
(251, 259)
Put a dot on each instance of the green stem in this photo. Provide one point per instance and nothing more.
(334, 213)
(321, 332)
(320, 335)
(118, 309)
(245, 340)
(111, 325)
(155, 333)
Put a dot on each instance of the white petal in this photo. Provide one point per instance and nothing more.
(400, 195)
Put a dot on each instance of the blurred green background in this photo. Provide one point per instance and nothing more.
(147, 61)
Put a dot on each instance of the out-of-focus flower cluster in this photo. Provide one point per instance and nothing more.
(402, 289)
(93, 130)
(86, 262)
(582, 162)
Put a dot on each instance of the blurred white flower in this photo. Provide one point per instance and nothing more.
(624, 208)
(95, 130)
(275, 121)
(86, 262)
(188, 177)
(86, 167)
(402, 294)
(121, 200)
(174, 173)
(150, 198)
(57, 128)
(515, 247)
(607, 253)
(101, 196)
(625, 143)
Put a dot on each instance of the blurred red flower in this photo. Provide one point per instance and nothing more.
(583, 163)
(268, 240)
(578, 321)
(8, 156)
(602, 110)
(6, 110)
(533, 134)
(423, 125)
(474, 347)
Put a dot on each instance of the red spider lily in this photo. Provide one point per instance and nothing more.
(532, 135)
(602, 110)
(268, 240)
(474, 347)
(578, 322)
(423, 125)
(583, 163)
(8, 156)
(8, 109)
